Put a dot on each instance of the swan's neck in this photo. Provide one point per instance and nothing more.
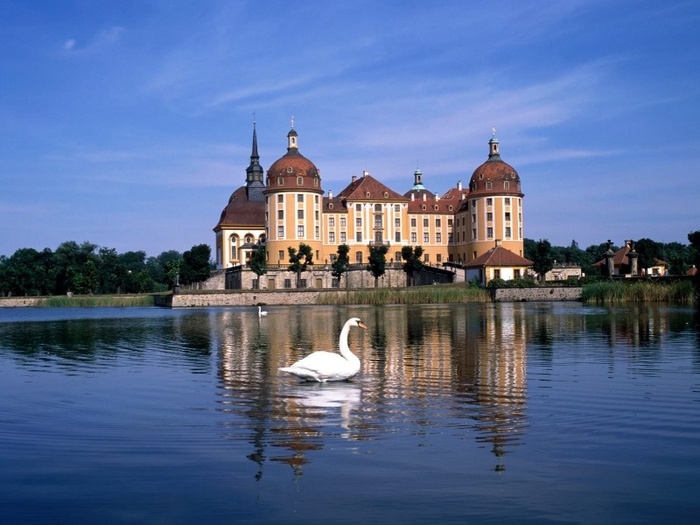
(344, 348)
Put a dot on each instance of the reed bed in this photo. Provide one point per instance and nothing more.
(97, 301)
(678, 292)
(417, 295)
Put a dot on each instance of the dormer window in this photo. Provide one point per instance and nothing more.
(290, 169)
(280, 181)
(300, 181)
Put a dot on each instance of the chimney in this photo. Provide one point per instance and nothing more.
(459, 185)
(330, 194)
(354, 178)
(413, 196)
(437, 197)
(425, 196)
(498, 242)
(365, 173)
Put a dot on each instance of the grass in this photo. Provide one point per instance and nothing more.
(616, 292)
(97, 300)
(414, 295)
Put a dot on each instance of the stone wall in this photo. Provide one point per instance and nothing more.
(553, 293)
(246, 298)
(12, 302)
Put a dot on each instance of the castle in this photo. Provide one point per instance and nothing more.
(468, 227)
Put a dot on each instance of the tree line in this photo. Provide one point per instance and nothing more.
(88, 269)
(678, 257)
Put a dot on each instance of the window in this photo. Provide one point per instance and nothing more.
(342, 222)
(287, 283)
(397, 237)
(397, 223)
(489, 233)
(280, 232)
(516, 273)
(280, 181)
(507, 232)
(300, 231)
(378, 208)
(280, 198)
(426, 237)
(397, 256)
(280, 215)
(300, 181)
(438, 237)
(358, 207)
(397, 208)
(449, 223)
(378, 221)
(506, 185)
(438, 223)
(358, 222)
(358, 236)
(414, 238)
(507, 201)
(489, 202)
(315, 196)
(331, 237)
(280, 255)
(256, 284)
(300, 197)
(489, 216)
(497, 273)
(426, 258)
(439, 257)
(316, 214)
(488, 185)
(413, 222)
(426, 224)
(473, 234)
(317, 234)
(343, 238)
(358, 257)
(303, 283)
(300, 214)
(331, 222)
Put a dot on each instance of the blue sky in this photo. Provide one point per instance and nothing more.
(128, 124)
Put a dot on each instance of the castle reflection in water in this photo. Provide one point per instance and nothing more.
(466, 364)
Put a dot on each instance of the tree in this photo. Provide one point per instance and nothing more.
(196, 265)
(299, 260)
(694, 239)
(412, 262)
(377, 262)
(341, 263)
(72, 274)
(258, 261)
(649, 251)
(543, 260)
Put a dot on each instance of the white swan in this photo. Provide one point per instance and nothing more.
(329, 366)
(261, 312)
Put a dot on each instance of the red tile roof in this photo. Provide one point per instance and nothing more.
(498, 256)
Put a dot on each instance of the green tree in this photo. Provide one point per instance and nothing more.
(543, 260)
(649, 251)
(196, 265)
(412, 262)
(72, 274)
(258, 261)
(342, 263)
(300, 260)
(377, 262)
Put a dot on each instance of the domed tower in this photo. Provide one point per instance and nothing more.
(493, 212)
(293, 202)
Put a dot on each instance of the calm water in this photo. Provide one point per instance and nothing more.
(506, 413)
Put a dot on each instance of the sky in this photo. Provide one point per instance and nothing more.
(129, 124)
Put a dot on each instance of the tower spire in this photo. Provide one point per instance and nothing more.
(254, 172)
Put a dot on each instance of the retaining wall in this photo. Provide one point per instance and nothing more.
(553, 293)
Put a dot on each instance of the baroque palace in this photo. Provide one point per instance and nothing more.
(468, 226)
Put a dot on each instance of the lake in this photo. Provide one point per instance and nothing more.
(477, 413)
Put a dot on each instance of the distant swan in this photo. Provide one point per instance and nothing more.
(261, 312)
(329, 366)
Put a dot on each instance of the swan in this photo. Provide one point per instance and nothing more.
(328, 366)
(261, 312)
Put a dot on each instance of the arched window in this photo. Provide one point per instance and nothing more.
(234, 247)
(358, 257)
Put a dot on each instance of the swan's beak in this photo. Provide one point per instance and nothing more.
(361, 325)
